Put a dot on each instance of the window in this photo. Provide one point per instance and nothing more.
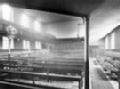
(5, 43)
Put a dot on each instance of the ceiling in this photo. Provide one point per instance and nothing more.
(46, 17)
(104, 14)
(79, 8)
(75, 8)
(66, 7)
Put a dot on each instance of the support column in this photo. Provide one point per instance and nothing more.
(1, 42)
(119, 81)
(87, 54)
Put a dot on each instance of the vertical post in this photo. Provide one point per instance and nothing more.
(78, 35)
(79, 84)
(11, 31)
(9, 51)
(118, 80)
(87, 54)
(33, 81)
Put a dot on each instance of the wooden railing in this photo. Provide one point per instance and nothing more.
(42, 76)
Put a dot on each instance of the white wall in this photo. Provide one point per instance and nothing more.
(107, 42)
(59, 29)
(20, 17)
(113, 37)
(64, 29)
(117, 39)
(112, 41)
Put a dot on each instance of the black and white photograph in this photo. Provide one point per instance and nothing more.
(59, 44)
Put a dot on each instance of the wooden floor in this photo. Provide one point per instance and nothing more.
(98, 79)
